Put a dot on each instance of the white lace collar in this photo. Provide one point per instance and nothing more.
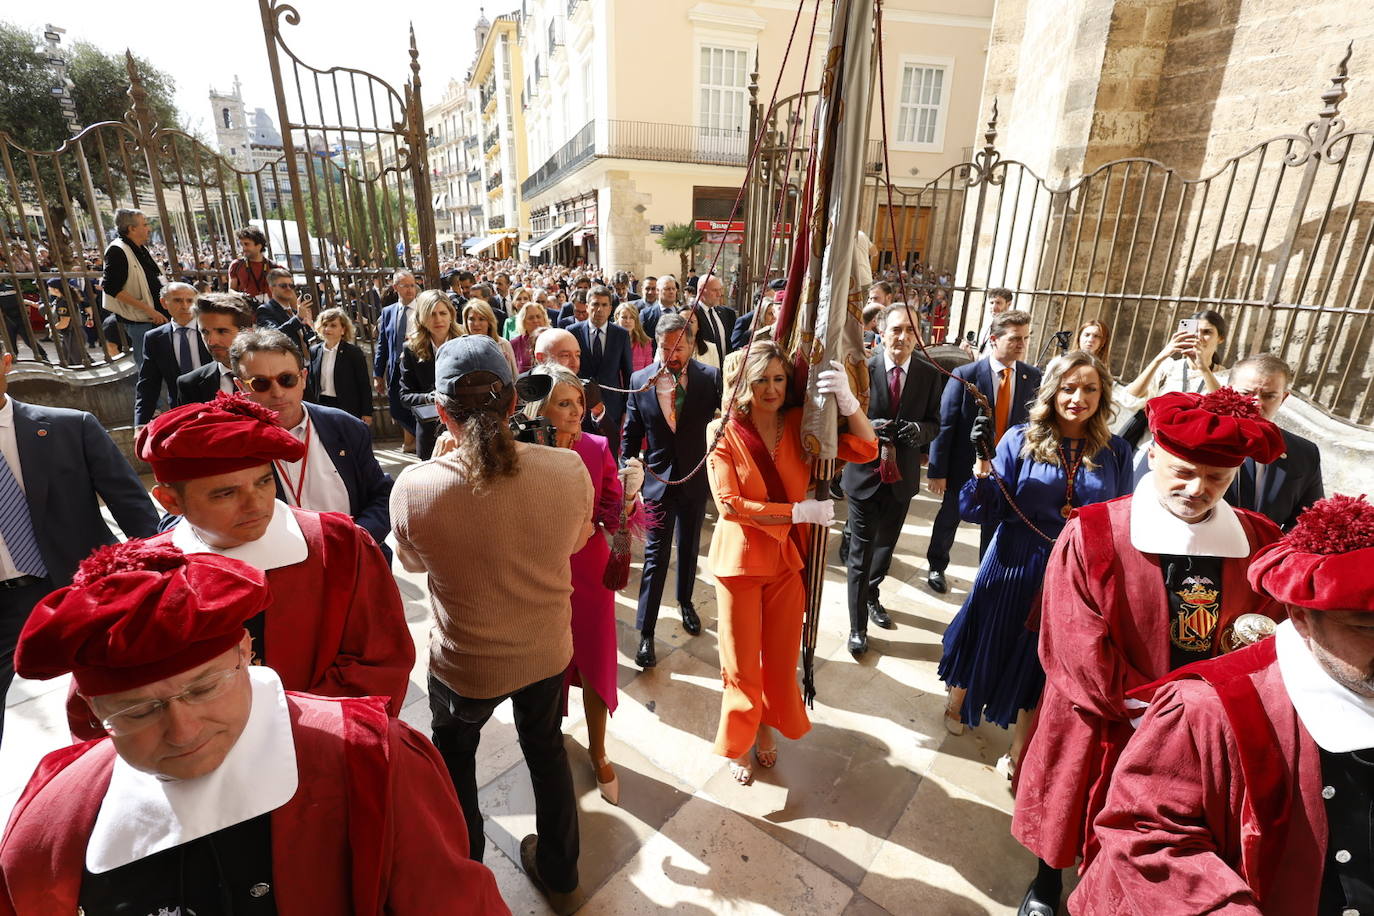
(1154, 529)
(282, 544)
(1338, 719)
(142, 814)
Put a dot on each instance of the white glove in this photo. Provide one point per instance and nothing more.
(632, 478)
(836, 381)
(813, 511)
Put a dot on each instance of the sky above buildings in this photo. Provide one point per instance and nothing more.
(205, 45)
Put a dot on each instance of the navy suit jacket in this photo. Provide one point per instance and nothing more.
(272, 314)
(648, 318)
(739, 337)
(951, 452)
(199, 385)
(161, 369)
(672, 454)
(613, 369)
(352, 386)
(921, 394)
(68, 460)
(386, 353)
(349, 443)
(1291, 484)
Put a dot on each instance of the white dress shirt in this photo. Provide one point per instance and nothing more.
(9, 445)
(324, 489)
(328, 357)
(226, 379)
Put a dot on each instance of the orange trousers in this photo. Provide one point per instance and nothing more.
(759, 625)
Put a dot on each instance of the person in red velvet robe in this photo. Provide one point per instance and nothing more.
(336, 625)
(1246, 789)
(1134, 588)
(214, 785)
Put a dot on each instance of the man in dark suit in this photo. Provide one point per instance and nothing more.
(880, 491)
(395, 322)
(58, 464)
(717, 321)
(339, 472)
(285, 311)
(605, 360)
(1283, 489)
(673, 440)
(667, 302)
(1009, 385)
(574, 310)
(220, 317)
(169, 351)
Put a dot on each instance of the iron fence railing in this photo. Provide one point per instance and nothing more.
(570, 157)
(676, 143)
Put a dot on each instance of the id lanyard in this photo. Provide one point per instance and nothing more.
(298, 490)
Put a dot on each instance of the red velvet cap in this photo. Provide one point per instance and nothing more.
(1220, 429)
(136, 613)
(1326, 562)
(227, 434)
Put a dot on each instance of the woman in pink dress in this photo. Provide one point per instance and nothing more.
(641, 347)
(594, 662)
(528, 322)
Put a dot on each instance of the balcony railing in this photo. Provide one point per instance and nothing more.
(494, 181)
(474, 175)
(676, 143)
(470, 142)
(490, 141)
(574, 154)
(497, 222)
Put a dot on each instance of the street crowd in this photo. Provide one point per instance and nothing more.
(1168, 613)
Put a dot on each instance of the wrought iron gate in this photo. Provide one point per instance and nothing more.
(1277, 240)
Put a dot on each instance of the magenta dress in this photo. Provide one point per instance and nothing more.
(524, 352)
(594, 659)
(641, 355)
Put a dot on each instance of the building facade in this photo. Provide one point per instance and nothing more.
(637, 114)
(253, 144)
(499, 120)
(455, 163)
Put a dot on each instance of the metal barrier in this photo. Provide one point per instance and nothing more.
(1277, 240)
(353, 165)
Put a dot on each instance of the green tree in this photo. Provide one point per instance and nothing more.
(682, 238)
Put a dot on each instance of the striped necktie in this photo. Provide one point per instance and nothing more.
(17, 525)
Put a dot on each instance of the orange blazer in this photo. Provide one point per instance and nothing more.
(742, 545)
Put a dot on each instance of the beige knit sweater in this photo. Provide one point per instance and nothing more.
(500, 585)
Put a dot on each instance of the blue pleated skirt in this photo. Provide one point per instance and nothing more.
(987, 648)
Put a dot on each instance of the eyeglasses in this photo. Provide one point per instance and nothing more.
(263, 383)
(142, 715)
(285, 284)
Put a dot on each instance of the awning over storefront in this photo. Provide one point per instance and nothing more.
(472, 241)
(553, 238)
(482, 244)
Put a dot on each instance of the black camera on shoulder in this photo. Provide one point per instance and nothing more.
(534, 430)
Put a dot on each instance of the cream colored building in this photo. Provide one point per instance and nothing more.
(637, 113)
(455, 165)
(495, 80)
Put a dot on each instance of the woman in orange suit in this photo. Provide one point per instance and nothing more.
(759, 476)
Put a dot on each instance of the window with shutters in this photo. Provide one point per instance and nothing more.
(923, 105)
(723, 78)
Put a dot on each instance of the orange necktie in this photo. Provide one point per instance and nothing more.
(1001, 408)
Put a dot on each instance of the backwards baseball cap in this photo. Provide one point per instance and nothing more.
(1326, 562)
(471, 353)
(139, 612)
(227, 434)
(1220, 429)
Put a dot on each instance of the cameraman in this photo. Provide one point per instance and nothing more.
(904, 405)
(500, 588)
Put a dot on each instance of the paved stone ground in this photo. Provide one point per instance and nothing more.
(877, 810)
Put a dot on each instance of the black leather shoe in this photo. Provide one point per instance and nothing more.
(645, 657)
(1034, 906)
(836, 491)
(690, 621)
(858, 644)
(878, 614)
(936, 581)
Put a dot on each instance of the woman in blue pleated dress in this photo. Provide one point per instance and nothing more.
(1064, 457)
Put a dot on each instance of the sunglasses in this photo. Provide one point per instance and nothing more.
(263, 383)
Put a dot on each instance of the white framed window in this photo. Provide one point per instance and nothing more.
(723, 81)
(923, 103)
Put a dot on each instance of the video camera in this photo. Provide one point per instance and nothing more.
(534, 430)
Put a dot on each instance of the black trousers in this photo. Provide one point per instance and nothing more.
(15, 605)
(457, 725)
(684, 516)
(873, 528)
(947, 525)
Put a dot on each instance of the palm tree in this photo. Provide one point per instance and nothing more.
(682, 238)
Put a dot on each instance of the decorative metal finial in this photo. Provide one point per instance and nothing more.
(140, 116)
(1335, 93)
(414, 56)
(990, 136)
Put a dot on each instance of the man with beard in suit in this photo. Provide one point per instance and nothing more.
(221, 316)
(668, 422)
(904, 405)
